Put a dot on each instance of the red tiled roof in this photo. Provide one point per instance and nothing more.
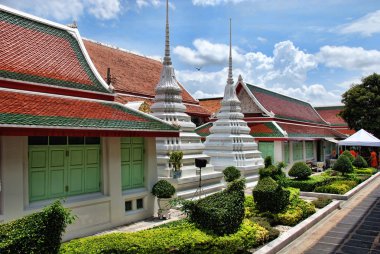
(265, 129)
(285, 107)
(30, 109)
(133, 73)
(304, 131)
(204, 130)
(345, 131)
(330, 114)
(35, 52)
(211, 104)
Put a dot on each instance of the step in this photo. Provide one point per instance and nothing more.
(206, 190)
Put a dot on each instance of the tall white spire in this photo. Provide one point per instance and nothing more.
(168, 106)
(167, 58)
(229, 142)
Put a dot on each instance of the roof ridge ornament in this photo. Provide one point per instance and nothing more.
(230, 80)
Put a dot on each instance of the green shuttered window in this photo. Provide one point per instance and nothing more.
(297, 151)
(286, 152)
(309, 149)
(267, 149)
(63, 170)
(132, 163)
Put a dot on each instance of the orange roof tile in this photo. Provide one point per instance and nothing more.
(330, 114)
(211, 104)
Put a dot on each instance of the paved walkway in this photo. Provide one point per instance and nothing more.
(353, 229)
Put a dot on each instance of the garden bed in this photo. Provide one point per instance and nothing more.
(345, 196)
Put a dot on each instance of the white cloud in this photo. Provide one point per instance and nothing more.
(366, 25)
(104, 9)
(214, 2)
(153, 3)
(68, 10)
(350, 58)
(262, 39)
(206, 53)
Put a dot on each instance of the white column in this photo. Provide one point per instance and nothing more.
(278, 152)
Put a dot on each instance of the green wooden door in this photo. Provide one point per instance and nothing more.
(266, 149)
(297, 151)
(132, 163)
(59, 171)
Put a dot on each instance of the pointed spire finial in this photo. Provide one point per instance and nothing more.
(240, 77)
(230, 80)
(167, 58)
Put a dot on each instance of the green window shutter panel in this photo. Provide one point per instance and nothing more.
(38, 173)
(309, 149)
(286, 152)
(297, 151)
(266, 149)
(132, 163)
(57, 168)
(92, 169)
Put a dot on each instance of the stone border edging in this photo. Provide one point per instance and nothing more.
(346, 196)
(289, 236)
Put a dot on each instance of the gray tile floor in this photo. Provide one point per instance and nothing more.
(357, 233)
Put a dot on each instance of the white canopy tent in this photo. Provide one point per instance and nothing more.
(360, 138)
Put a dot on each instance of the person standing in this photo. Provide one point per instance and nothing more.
(374, 162)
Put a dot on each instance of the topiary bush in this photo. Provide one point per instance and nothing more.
(231, 173)
(270, 196)
(343, 165)
(300, 170)
(267, 161)
(360, 162)
(348, 155)
(322, 202)
(163, 189)
(267, 172)
(39, 232)
(220, 213)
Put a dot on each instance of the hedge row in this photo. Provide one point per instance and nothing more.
(37, 233)
(180, 237)
(309, 184)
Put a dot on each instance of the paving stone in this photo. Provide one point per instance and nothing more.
(364, 238)
(331, 240)
(326, 247)
(336, 234)
(353, 250)
(357, 243)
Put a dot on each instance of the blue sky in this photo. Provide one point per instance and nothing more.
(309, 49)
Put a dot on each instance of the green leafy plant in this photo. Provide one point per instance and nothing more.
(163, 189)
(39, 232)
(311, 183)
(343, 165)
(175, 159)
(300, 170)
(220, 213)
(231, 173)
(270, 196)
(360, 162)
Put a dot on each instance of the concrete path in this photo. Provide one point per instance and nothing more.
(353, 229)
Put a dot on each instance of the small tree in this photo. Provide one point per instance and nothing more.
(343, 165)
(176, 160)
(360, 162)
(300, 170)
(163, 189)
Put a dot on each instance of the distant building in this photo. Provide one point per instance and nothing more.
(287, 129)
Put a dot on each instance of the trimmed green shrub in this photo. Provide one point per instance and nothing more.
(267, 161)
(343, 165)
(39, 232)
(231, 173)
(365, 171)
(337, 187)
(222, 212)
(270, 196)
(249, 206)
(322, 202)
(300, 170)
(273, 232)
(311, 183)
(360, 162)
(163, 189)
(267, 172)
(296, 211)
(348, 155)
(178, 237)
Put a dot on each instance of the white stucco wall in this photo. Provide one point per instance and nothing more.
(96, 211)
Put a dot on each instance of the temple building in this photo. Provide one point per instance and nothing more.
(331, 115)
(229, 142)
(287, 129)
(64, 134)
